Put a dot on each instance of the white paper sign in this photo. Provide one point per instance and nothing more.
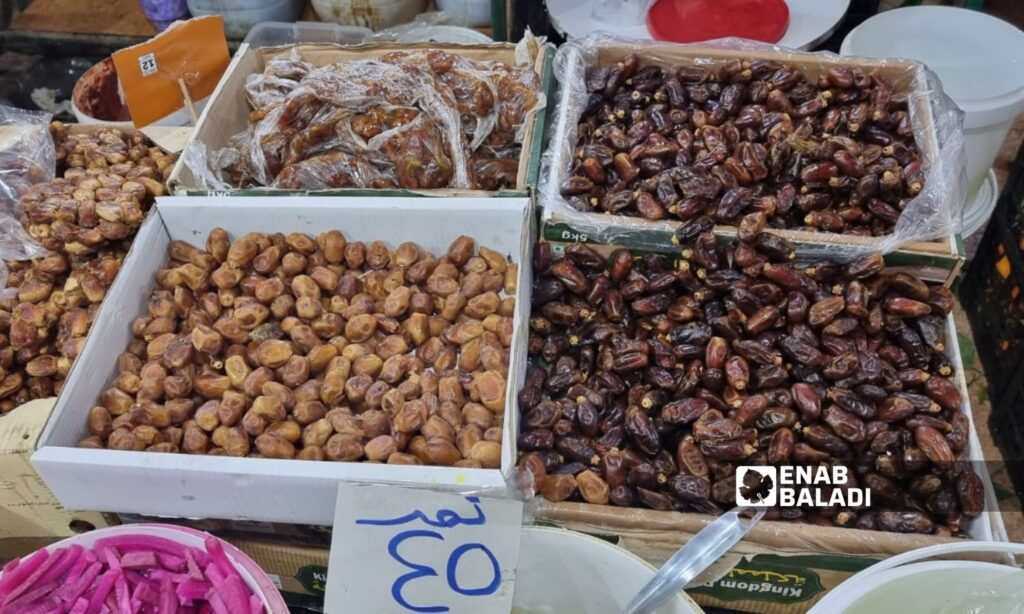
(403, 550)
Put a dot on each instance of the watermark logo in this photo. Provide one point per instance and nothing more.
(756, 486)
(789, 486)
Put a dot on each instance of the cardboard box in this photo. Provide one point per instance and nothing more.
(780, 567)
(939, 260)
(30, 516)
(227, 113)
(292, 491)
(295, 570)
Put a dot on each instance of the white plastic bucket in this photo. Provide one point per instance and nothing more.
(908, 583)
(979, 58)
(241, 15)
(563, 572)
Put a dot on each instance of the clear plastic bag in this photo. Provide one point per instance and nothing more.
(933, 213)
(27, 157)
(420, 119)
(27, 154)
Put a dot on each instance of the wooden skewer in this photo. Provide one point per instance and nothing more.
(188, 101)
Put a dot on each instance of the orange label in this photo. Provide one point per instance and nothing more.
(193, 51)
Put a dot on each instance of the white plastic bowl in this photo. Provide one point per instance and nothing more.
(253, 576)
(980, 60)
(908, 583)
(563, 572)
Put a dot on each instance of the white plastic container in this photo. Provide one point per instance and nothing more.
(373, 14)
(980, 60)
(909, 583)
(476, 12)
(241, 15)
(252, 574)
(564, 572)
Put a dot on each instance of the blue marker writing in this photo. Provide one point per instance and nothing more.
(446, 519)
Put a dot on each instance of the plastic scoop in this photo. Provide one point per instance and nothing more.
(697, 555)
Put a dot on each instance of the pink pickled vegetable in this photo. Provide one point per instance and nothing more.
(123, 597)
(167, 603)
(192, 590)
(216, 552)
(193, 567)
(12, 581)
(71, 557)
(74, 590)
(28, 598)
(99, 594)
(145, 593)
(138, 560)
(127, 574)
(76, 570)
(25, 585)
(217, 604)
(11, 566)
(234, 593)
(142, 542)
(214, 574)
(37, 607)
(171, 562)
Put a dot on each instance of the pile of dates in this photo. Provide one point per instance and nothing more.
(651, 381)
(423, 119)
(87, 218)
(835, 154)
(317, 348)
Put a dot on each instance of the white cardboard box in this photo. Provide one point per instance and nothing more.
(294, 491)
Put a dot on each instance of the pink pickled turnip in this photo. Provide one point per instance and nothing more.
(103, 587)
(127, 575)
(13, 580)
(80, 606)
(77, 587)
(26, 585)
(138, 560)
(193, 566)
(72, 555)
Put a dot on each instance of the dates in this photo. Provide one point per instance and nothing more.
(790, 151)
(368, 360)
(705, 370)
(459, 133)
(86, 217)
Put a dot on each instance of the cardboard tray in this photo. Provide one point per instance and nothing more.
(292, 491)
(780, 567)
(227, 112)
(939, 260)
(30, 516)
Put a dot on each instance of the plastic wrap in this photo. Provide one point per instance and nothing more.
(27, 154)
(933, 213)
(27, 157)
(424, 119)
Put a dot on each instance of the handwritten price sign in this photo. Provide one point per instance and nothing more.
(403, 550)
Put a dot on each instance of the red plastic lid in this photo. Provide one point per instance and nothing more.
(691, 21)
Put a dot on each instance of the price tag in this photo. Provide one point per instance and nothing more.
(403, 550)
(178, 68)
